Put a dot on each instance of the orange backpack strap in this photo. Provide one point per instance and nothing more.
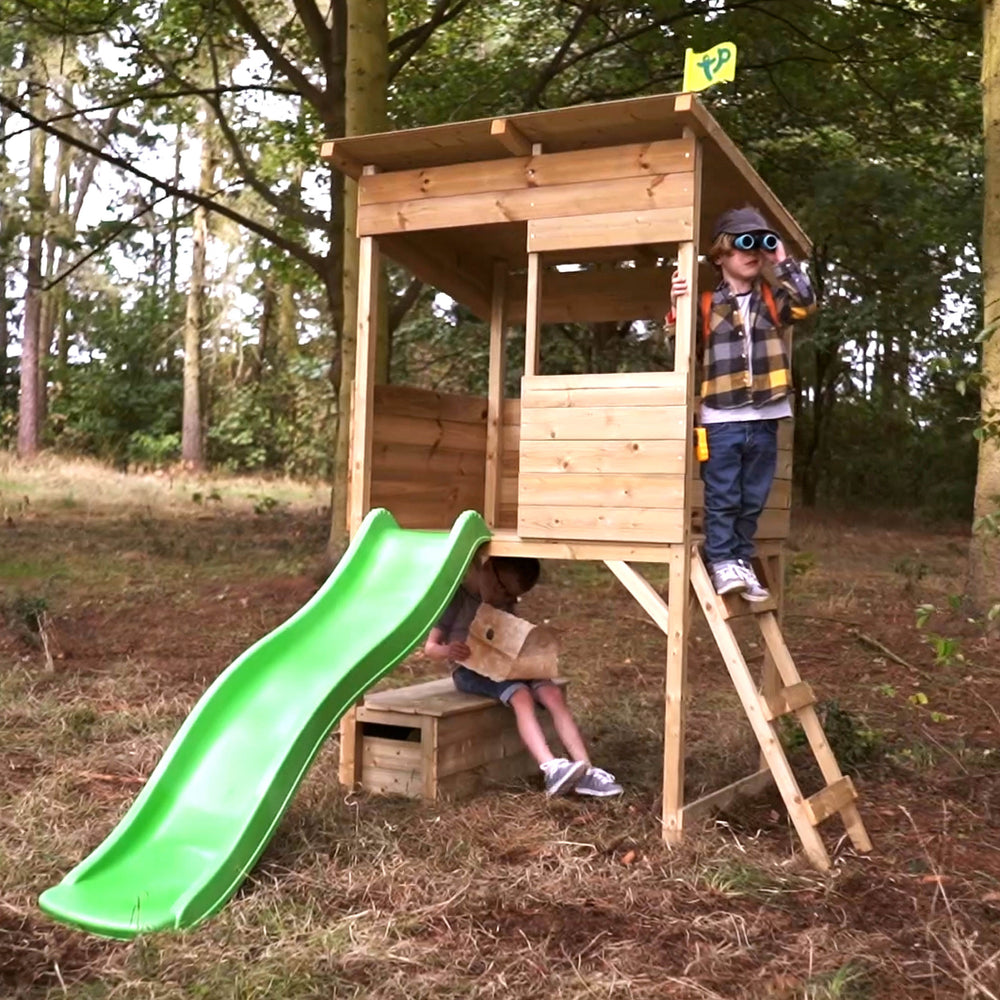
(706, 314)
(768, 296)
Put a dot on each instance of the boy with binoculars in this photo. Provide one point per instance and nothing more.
(744, 327)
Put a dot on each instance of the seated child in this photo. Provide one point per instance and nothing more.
(500, 581)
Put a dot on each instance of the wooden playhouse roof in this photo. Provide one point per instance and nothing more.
(728, 179)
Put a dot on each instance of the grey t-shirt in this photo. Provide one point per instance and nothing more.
(457, 617)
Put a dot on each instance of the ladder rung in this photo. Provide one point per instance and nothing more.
(737, 607)
(830, 800)
(787, 700)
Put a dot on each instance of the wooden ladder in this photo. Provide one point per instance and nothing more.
(785, 694)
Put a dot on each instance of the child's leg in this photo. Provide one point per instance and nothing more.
(569, 733)
(760, 459)
(721, 475)
(523, 704)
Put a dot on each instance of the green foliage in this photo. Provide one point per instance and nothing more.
(933, 463)
(864, 119)
(855, 743)
(852, 981)
(24, 612)
(281, 423)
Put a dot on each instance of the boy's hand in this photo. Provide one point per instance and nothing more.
(777, 255)
(458, 651)
(678, 287)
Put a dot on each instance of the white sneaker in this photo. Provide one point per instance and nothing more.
(597, 781)
(561, 774)
(755, 590)
(727, 577)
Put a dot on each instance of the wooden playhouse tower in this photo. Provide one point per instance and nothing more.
(579, 214)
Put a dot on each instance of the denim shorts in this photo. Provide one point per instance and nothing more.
(472, 683)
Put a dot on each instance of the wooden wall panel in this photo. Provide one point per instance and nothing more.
(603, 423)
(547, 169)
(428, 455)
(672, 193)
(599, 448)
(611, 229)
(428, 462)
(602, 523)
(510, 435)
(604, 457)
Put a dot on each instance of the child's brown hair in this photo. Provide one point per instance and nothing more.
(524, 569)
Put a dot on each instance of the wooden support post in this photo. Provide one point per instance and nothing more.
(533, 305)
(679, 587)
(687, 266)
(672, 616)
(676, 692)
(494, 400)
(362, 414)
(532, 319)
(350, 750)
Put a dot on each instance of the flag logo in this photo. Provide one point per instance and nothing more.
(705, 69)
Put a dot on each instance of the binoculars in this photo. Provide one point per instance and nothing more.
(756, 241)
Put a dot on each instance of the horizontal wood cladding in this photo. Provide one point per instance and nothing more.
(611, 229)
(545, 170)
(603, 423)
(576, 429)
(575, 490)
(604, 523)
(428, 455)
(429, 460)
(604, 457)
(672, 193)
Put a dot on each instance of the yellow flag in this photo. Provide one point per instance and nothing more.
(704, 69)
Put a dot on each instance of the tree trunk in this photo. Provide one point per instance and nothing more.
(365, 111)
(192, 454)
(984, 562)
(52, 297)
(28, 426)
(265, 328)
(4, 267)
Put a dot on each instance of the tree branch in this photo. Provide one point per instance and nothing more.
(412, 41)
(164, 95)
(318, 33)
(312, 260)
(313, 94)
(294, 212)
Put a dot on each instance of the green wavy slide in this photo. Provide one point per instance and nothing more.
(214, 800)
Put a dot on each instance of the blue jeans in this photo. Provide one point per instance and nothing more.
(742, 457)
(472, 683)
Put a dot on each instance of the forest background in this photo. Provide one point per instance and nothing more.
(176, 285)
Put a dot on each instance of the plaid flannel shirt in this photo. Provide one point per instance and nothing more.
(726, 375)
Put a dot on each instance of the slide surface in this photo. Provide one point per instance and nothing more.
(217, 795)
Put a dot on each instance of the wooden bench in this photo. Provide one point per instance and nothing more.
(431, 741)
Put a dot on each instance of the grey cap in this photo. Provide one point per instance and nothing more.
(740, 220)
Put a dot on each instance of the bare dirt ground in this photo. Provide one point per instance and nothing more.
(122, 599)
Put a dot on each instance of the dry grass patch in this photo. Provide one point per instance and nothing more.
(150, 594)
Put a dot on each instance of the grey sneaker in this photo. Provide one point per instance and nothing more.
(755, 590)
(561, 774)
(597, 781)
(727, 577)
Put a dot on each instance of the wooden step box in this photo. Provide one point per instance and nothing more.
(431, 741)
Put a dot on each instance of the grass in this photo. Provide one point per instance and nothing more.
(507, 894)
